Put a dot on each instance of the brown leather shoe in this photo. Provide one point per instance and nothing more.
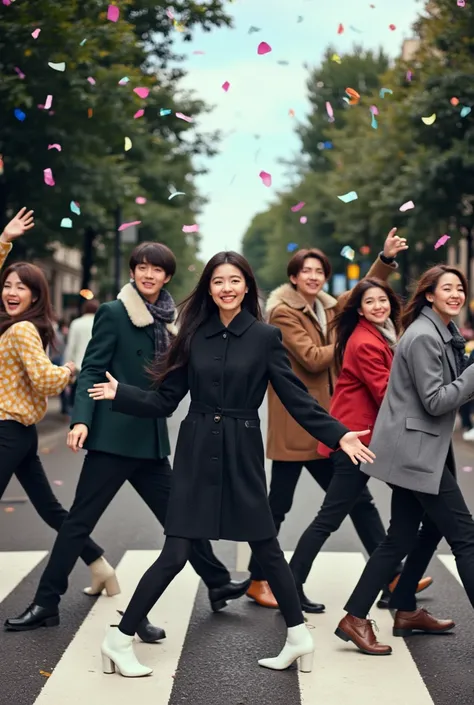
(419, 621)
(422, 585)
(361, 633)
(261, 592)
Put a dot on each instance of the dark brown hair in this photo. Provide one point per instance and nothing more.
(154, 253)
(40, 313)
(198, 307)
(346, 321)
(90, 306)
(427, 285)
(296, 263)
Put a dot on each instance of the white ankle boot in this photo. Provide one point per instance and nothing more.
(103, 576)
(118, 655)
(299, 645)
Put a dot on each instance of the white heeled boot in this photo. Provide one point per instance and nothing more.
(118, 655)
(103, 576)
(299, 645)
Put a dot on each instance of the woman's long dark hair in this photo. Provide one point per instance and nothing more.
(346, 321)
(426, 285)
(40, 313)
(198, 307)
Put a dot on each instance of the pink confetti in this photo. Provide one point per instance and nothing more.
(407, 206)
(263, 48)
(467, 468)
(184, 117)
(266, 178)
(409, 75)
(303, 219)
(124, 226)
(226, 86)
(142, 92)
(20, 72)
(36, 33)
(330, 111)
(49, 102)
(298, 206)
(91, 80)
(48, 177)
(55, 146)
(113, 13)
(374, 110)
(442, 241)
(141, 200)
(169, 13)
(7, 2)
(199, 52)
(190, 228)
(57, 482)
(139, 114)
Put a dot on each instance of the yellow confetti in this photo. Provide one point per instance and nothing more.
(178, 25)
(429, 120)
(336, 58)
(46, 674)
(128, 144)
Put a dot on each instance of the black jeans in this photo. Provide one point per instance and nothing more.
(172, 560)
(451, 517)
(19, 456)
(333, 479)
(102, 475)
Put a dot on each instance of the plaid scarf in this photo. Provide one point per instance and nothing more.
(163, 312)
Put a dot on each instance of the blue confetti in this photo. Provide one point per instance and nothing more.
(374, 122)
(163, 111)
(19, 114)
(66, 223)
(292, 246)
(465, 111)
(75, 208)
(384, 91)
(348, 197)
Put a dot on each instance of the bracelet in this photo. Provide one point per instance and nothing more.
(386, 260)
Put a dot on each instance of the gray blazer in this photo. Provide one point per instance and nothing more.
(412, 434)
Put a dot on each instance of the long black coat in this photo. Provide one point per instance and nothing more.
(219, 488)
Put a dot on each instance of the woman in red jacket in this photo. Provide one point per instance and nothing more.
(366, 335)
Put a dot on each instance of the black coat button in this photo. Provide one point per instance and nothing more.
(217, 418)
(224, 335)
(247, 425)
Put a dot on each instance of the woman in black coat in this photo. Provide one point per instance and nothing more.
(225, 356)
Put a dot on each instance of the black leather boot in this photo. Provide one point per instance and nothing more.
(230, 591)
(307, 605)
(33, 617)
(147, 632)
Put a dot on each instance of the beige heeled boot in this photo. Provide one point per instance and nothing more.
(298, 646)
(118, 655)
(103, 577)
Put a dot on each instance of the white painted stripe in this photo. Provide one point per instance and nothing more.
(14, 566)
(449, 562)
(341, 674)
(78, 676)
(243, 557)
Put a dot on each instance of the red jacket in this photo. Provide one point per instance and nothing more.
(362, 382)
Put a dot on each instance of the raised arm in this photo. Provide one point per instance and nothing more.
(47, 379)
(425, 362)
(161, 403)
(314, 358)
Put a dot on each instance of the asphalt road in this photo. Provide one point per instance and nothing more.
(442, 665)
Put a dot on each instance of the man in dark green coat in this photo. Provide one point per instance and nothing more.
(127, 334)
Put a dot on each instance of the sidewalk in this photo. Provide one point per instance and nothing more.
(53, 420)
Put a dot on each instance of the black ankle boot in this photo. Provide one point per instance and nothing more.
(147, 632)
(307, 605)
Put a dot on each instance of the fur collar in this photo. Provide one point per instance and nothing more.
(287, 296)
(137, 311)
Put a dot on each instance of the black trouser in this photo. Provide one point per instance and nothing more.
(357, 502)
(172, 560)
(19, 456)
(465, 413)
(102, 475)
(450, 515)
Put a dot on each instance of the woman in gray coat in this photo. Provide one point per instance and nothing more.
(429, 381)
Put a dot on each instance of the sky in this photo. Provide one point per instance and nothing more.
(253, 114)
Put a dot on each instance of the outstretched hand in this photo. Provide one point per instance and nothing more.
(105, 390)
(357, 451)
(394, 244)
(18, 225)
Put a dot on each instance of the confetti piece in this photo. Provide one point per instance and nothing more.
(407, 206)
(340, 29)
(465, 111)
(263, 48)
(139, 114)
(86, 294)
(124, 226)
(113, 13)
(226, 86)
(292, 246)
(461, 3)
(90, 112)
(199, 52)
(466, 468)
(384, 91)
(91, 80)
(19, 114)
(454, 101)
(409, 75)
(298, 206)
(83, 42)
(142, 92)
(66, 223)
(330, 111)
(303, 219)
(291, 112)
(36, 33)
(57, 482)
(9, 510)
(7, 2)
(190, 228)
(128, 144)
(192, 268)
(374, 110)
(392, 27)
(55, 146)
(254, 29)
(141, 200)
(354, 96)
(348, 252)
(169, 13)
(164, 111)
(429, 120)
(442, 241)
(184, 117)
(75, 208)
(57, 67)
(266, 178)
(123, 81)
(20, 73)
(46, 674)
(49, 102)
(176, 193)
(336, 58)
(374, 122)
(348, 197)
(48, 177)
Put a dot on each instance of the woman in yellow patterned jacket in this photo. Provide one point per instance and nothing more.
(27, 378)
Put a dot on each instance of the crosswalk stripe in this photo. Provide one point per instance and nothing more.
(78, 676)
(449, 561)
(341, 673)
(15, 566)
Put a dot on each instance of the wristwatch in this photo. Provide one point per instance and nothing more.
(386, 260)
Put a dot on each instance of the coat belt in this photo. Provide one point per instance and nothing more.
(217, 411)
